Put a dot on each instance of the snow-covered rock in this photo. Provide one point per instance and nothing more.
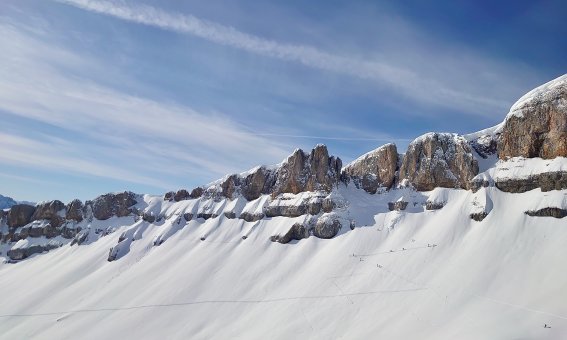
(374, 169)
(54, 211)
(112, 204)
(438, 160)
(537, 123)
(20, 215)
(308, 172)
(74, 210)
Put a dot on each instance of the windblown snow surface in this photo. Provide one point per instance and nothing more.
(413, 274)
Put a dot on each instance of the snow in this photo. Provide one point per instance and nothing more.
(21, 244)
(518, 167)
(496, 279)
(367, 155)
(544, 93)
(491, 131)
(411, 274)
(441, 135)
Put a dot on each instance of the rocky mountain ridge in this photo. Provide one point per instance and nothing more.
(305, 183)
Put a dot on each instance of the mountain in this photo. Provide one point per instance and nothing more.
(6, 202)
(460, 237)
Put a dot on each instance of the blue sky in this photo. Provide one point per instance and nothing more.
(151, 96)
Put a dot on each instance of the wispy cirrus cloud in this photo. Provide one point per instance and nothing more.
(99, 131)
(407, 82)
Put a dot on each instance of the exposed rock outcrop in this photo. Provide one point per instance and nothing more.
(168, 196)
(20, 215)
(397, 206)
(21, 253)
(52, 211)
(537, 123)
(229, 186)
(108, 205)
(547, 181)
(259, 181)
(286, 210)
(327, 226)
(148, 217)
(429, 205)
(196, 193)
(74, 210)
(375, 169)
(478, 216)
(297, 232)
(439, 160)
(300, 172)
(486, 145)
(230, 214)
(548, 212)
(251, 217)
(181, 195)
(308, 172)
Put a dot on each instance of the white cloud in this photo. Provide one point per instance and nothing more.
(416, 84)
(99, 131)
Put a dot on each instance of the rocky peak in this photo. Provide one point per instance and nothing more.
(20, 215)
(74, 210)
(374, 169)
(439, 160)
(257, 182)
(50, 211)
(299, 172)
(112, 204)
(308, 172)
(537, 123)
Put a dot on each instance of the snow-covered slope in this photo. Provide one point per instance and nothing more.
(306, 249)
(413, 274)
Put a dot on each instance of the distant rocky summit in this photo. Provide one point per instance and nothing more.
(6, 202)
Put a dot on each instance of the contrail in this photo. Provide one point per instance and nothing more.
(332, 138)
(399, 79)
(228, 36)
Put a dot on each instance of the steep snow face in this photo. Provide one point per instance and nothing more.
(411, 274)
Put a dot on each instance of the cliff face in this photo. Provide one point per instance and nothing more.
(299, 172)
(307, 172)
(374, 170)
(537, 123)
(439, 160)
(53, 222)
